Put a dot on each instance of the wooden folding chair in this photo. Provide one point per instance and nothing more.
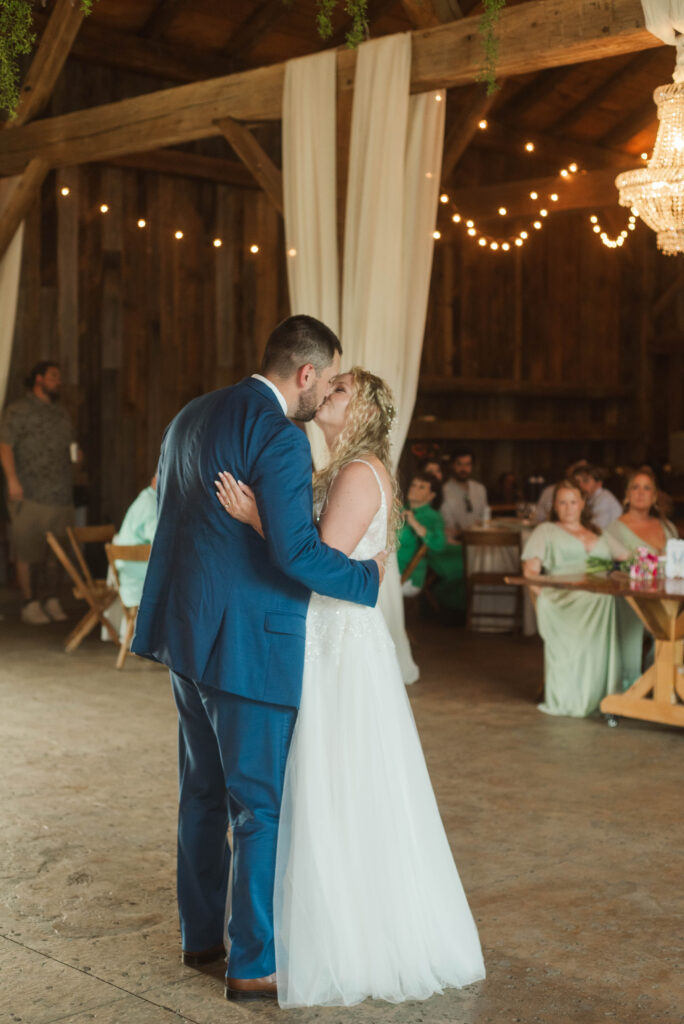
(126, 553)
(490, 582)
(414, 563)
(96, 593)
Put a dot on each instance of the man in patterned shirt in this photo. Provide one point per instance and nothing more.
(35, 435)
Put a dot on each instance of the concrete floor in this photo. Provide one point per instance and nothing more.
(568, 836)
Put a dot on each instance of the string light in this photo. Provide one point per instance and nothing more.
(444, 198)
(254, 249)
(565, 173)
(456, 218)
(494, 246)
(217, 243)
(518, 241)
(554, 197)
(470, 224)
(142, 222)
(482, 125)
(537, 225)
(104, 208)
(64, 191)
(482, 241)
(438, 98)
(503, 211)
(534, 195)
(472, 232)
(291, 253)
(618, 240)
(436, 234)
(543, 213)
(178, 235)
(529, 146)
(505, 246)
(573, 168)
(644, 156)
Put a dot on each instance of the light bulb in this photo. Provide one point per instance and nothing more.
(534, 195)
(482, 124)
(597, 228)
(142, 222)
(444, 198)
(456, 218)
(494, 245)
(505, 246)
(518, 241)
(529, 146)
(554, 197)
(572, 168)
(470, 223)
(537, 225)
(64, 191)
(632, 226)
(644, 156)
(254, 249)
(217, 243)
(104, 208)
(291, 252)
(503, 211)
(428, 174)
(472, 231)
(438, 98)
(565, 173)
(436, 234)
(178, 235)
(594, 219)
(523, 234)
(543, 213)
(482, 241)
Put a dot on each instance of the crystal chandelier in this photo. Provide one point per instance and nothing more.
(656, 192)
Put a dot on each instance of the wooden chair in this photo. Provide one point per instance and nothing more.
(484, 582)
(420, 554)
(126, 553)
(96, 593)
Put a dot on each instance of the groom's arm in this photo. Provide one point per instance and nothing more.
(281, 480)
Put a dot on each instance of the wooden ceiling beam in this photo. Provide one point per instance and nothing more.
(61, 29)
(462, 131)
(528, 430)
(255, 159)
(421, 13)
(552, 147)
(265, 17)
(541, 33)
(598, 95)
(591, 190)
(20, 202)
(188, 165)
(162, 18)
(526, 97)
(645, 117)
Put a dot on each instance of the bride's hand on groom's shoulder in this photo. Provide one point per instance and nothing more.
(238, 500)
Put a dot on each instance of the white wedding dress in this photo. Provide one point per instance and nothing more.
(367, 901)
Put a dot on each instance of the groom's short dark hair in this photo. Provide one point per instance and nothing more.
(296, 341)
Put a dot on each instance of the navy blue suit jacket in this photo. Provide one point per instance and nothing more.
(220, 604)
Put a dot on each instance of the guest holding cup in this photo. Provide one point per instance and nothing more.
(581, 655)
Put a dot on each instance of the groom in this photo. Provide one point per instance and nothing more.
(225, 609)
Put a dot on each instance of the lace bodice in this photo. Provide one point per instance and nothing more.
(375, 537)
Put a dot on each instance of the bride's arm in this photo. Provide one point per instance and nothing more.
(352, 502)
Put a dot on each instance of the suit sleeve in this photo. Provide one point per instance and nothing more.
(281, 480)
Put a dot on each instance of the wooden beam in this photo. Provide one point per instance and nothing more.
(265, 17)
(162, 18)
(536, 90)
(551, 147)
(188, 165)
(505, 430)
(20, 202)
(643, 118)
(462, 131)
(540, 33)
(590, 190)
(95, 44)
(598, 95)
(255, 159)
(421, 13)
(433, 385)
(53, 49)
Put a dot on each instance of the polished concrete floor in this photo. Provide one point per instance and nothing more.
(568, 836)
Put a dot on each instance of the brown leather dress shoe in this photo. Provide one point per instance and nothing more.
(252, 988)
(203, 956)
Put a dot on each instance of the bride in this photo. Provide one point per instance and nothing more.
(367, 899)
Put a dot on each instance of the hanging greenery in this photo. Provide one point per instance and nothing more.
(357, 11)
(490, 44)
(16, 39)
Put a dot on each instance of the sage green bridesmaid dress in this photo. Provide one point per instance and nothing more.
(579, 629)
(629, 627)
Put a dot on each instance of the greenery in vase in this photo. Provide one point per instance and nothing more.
(16, 39)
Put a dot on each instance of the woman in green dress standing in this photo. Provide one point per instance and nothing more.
(641, 525)
(581, 657)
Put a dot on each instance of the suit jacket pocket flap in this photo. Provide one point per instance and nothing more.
(285, 622)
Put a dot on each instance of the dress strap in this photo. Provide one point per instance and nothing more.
(375, 474)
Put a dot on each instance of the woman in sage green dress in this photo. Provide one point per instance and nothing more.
(581, 656)
(641, 525)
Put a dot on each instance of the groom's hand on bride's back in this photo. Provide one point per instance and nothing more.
(380, 560)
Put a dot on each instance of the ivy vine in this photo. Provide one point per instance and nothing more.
(16, 40)
(490, 44)
(357, 11)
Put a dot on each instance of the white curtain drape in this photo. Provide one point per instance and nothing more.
(664, 18)
(310, 197)
(392, 194)
(10, 266)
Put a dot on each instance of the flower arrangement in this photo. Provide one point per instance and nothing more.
(642, 565)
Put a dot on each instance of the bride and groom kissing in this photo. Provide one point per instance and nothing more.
(295, 731)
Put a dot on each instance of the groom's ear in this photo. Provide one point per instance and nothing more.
(305, 376)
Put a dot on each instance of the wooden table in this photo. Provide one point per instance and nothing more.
(658, 695)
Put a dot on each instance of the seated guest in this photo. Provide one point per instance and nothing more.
(581, 657)
(641, 525)
(434, 468)
(545, 502)
(464, 499)
(138, 527)
(602, 506)
(422, 525)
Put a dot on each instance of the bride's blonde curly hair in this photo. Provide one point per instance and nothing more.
(368, 424)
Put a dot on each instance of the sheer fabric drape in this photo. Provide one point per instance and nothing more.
(392, 194)
(10, 267)
(664, 18)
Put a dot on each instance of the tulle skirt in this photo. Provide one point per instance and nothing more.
(368, 901)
